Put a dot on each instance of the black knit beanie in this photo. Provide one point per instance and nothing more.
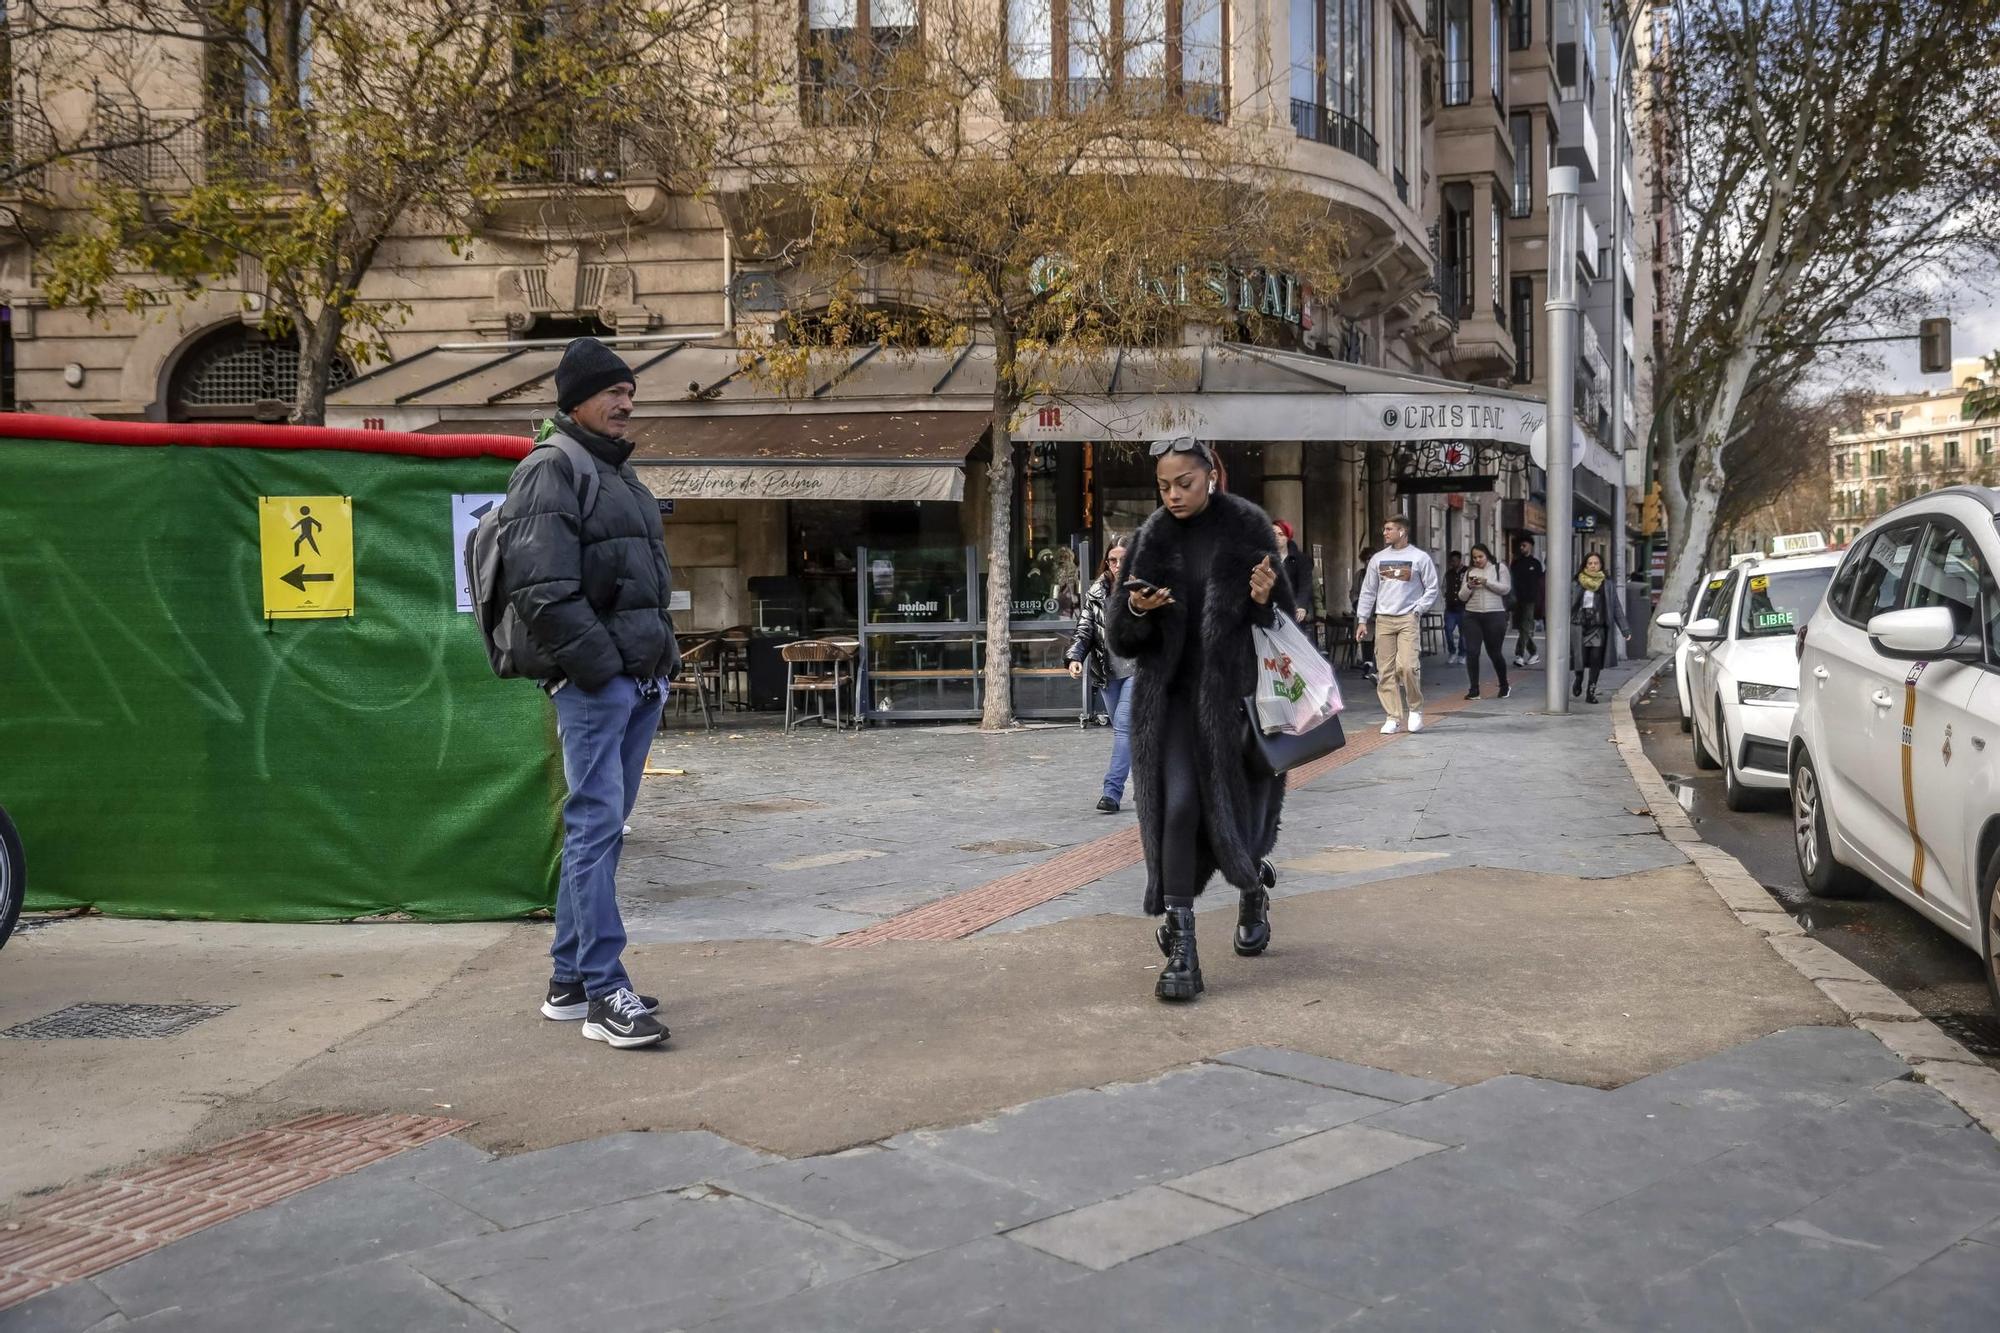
(588, 368)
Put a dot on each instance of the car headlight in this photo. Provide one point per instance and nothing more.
(1765, 694)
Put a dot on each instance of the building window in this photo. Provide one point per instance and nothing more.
(1951, 452)
(1878, 462)
(1521, 32)
(1840, 536)
(1457, 52)
(1067, 55)
(1456, 278)
(1906, 458)
(1986, 446)
(1333, 74)
(1399, 98)
(1495, 256)
(843, 40)
(1522, 126)
(1881, 498)
(1496, 63)
(1839, 465)
(1524, 328)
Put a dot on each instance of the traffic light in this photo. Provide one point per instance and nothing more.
(1649, 511)
(1934, 338)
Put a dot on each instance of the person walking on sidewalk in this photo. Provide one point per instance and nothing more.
(1294, 567)
(1454, 608)
(1486, 583)
(1199, 574)
(1593, 614)
(1402, 584)
(1112, 672)
(585, 567)
(1354, 602)
(1527, 574)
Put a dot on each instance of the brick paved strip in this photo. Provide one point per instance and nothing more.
(87, 1229)
(975, 909)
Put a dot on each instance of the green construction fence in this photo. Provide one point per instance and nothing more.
(167, 751)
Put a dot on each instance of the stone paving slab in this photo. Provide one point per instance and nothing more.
(1383, 1083)
(1772, 1186)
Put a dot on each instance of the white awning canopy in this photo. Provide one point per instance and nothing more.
(1225, 391)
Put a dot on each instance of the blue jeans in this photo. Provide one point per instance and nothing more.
(1118, 703)
(605, 736)
(1454, 632)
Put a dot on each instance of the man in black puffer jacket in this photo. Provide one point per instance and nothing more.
(585, 568)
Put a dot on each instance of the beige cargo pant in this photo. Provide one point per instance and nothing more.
(1398, 675)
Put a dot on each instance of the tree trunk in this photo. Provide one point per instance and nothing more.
(998, 714)
(319, 345)
(1697, 524)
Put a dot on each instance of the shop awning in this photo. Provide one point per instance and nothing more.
(1223, 391)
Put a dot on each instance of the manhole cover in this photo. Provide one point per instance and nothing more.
(1005, 846)
(116, 1020)
(1978, 1033)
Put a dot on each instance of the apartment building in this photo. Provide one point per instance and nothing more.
(1905, 445)
(1415, 389)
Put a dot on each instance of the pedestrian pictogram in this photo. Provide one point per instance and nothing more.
(307, 548)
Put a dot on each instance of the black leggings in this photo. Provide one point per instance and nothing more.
(1490, 629)
(1180, 788)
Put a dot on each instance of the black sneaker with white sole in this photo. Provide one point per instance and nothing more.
(620, 1020)
(566, 1002)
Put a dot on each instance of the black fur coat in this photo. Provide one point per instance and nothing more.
(1239, 813)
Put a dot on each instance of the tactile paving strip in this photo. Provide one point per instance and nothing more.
(975, 909)
(145, 1022)
(85, 1230)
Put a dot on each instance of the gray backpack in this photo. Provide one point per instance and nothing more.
(510, 649)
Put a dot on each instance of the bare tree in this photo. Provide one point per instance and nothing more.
(1053, 193)
(316, 132)
(1826, 155)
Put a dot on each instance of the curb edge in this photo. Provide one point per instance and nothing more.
(1934, 1057)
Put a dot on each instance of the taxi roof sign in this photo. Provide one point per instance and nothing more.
(1798, 543)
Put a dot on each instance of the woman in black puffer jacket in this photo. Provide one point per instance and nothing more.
(1201, 571)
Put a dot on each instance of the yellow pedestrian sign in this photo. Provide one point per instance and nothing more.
(307, 542)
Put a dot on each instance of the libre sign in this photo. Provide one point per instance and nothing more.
(307, 548)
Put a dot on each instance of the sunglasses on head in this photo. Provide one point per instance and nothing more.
(1180, 444)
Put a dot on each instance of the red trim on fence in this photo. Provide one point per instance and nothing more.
(210, 435)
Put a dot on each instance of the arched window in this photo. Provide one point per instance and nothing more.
(1148, 54)
(241, 374)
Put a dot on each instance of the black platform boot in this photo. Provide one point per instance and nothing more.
(1180, 977)
(1253, 914)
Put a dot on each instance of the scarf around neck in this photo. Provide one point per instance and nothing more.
(1590, 580)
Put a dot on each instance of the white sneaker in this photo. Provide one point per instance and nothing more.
(1536, 660)
(1391, 727)
(628, 830)
(1416, 722)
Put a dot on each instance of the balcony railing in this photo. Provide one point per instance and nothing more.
(582, 157)
(1457, 82)
(1313, 121)
(1032, 99)
(179, 150)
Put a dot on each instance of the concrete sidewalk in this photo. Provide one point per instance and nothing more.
(1510, 1063)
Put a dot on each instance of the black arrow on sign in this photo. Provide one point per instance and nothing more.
(298, 578)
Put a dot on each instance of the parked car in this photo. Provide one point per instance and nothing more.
(1743, 672)
(1684, 647)
(1891, 776)
(13, 876)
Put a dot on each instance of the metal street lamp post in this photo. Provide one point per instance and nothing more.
(1565, 235)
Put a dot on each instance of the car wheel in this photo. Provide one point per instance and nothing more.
(1823, 876)
(1687, 723)
(13, 876)
(1734, 794)
(1702, 758)
(1989, 936)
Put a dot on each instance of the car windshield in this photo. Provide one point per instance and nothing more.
(1781, 602)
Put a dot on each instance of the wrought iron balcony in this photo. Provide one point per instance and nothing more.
(1313, 121)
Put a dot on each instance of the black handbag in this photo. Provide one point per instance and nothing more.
(1268, 754)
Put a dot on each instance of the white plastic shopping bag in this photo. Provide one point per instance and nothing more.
(1296, 688)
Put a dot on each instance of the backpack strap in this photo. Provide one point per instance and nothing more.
(582, 465)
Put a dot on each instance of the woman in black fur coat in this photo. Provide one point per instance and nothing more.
(1201, 571)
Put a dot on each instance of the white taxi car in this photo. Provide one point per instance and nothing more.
(1678, 621)
(1743, 669)
(1891, 774)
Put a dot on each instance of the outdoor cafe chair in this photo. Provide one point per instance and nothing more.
(816, 668)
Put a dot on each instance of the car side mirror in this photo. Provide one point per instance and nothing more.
(1670, 620)
(1706, 630)
(1921, 632)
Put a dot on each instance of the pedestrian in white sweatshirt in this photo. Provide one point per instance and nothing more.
(1401, 584)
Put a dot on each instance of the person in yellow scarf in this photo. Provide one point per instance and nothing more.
(1594, 615)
